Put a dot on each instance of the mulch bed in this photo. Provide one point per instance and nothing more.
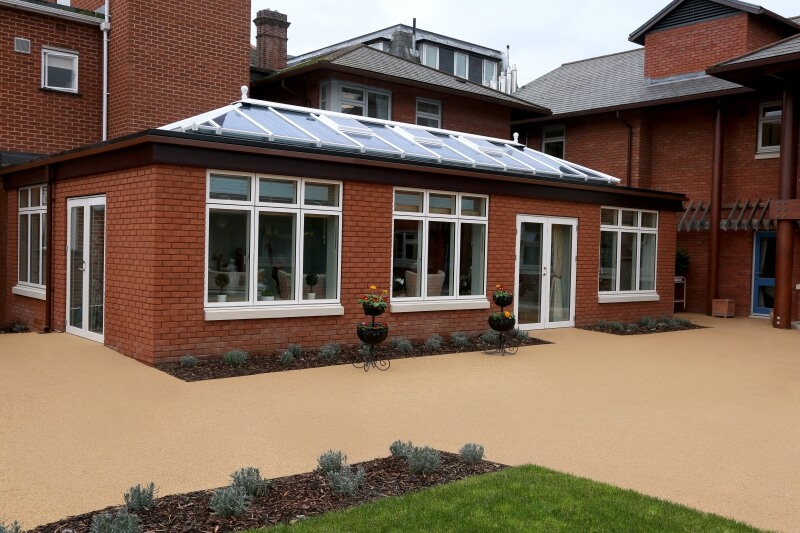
(13, 328)
(637, 328)
(260, 364)
(288, 499)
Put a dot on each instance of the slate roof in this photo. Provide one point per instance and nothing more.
(611, 82)
(369, 62)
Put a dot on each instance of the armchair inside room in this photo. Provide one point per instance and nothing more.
(435, 283)
(319, 289)
(285, 282)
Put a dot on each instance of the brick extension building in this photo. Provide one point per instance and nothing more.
(652, 117)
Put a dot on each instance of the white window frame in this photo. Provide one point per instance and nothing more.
(430, 53)
(465, 57)
(760, 148)
(638, 295)
(488, 82)
(429, 116)
(48, 52)
(423, 302)
(553, 139)
(28, 288)
(331, 91)
(252, 308)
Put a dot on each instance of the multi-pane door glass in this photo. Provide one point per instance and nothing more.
(97, 245)
(529, 284)
(76, 267)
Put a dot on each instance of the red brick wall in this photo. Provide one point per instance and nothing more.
(91, 5)
(44, 121)
(695, 47)
(172, 60)
(155, 242)
(458, 113)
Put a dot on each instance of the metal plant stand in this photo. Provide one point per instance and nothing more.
(503, 348)
(371, 337)
(502, 325)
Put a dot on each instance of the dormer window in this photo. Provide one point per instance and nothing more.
(430, 56)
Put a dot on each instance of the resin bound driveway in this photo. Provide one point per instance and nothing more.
(708, 418)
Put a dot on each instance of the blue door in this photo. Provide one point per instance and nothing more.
(764, 273)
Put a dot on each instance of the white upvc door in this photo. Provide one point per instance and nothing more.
(545, 272)
(86, 272)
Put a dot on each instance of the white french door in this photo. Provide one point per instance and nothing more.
(545, 272)
(86, 266)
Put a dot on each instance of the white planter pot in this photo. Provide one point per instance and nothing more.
(266, 298)
(222, 297)
(311, 296)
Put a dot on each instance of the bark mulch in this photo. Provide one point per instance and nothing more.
(214, 368)
(14, 328)
(644, 328)
(288, 498)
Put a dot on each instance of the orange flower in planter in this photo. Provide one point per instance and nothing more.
(507, 314)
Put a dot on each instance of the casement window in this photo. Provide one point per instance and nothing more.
(429, 113)
(32, 243)
(489, 72)
(355, 100)
(439, 246)
(628, 252)
(272, 242)
(769, 127)
(461, 65)
(430, 56)
(59, 70)
(553, 138)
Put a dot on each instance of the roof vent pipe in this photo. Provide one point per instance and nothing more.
(414, 38)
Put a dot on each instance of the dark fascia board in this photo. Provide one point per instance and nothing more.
(759, 73)
(636, 105)
(210, 151)
(638, 35)
(533, 109)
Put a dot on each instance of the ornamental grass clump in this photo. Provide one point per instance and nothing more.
(521, 334)
(331, 461)
(471, 453)
(490, 336)
(13, 527)
(401, 344)
(122, 522)
(249, 479)
(292, 352)
(460, 340)
(346, 481)
(647, 322)
(434, 342)
(401, 449)
(423, 460)
(330, 352)
(235, 357)
(615, 327)
(189, 361)
(230, 501)
(139, 497)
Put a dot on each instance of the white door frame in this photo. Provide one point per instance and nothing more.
(547, 223)
(86, 202)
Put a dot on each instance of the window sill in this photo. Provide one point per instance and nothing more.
(30, 292)
(437, 305)
(768, 155)
(284, 311)
(621, 298)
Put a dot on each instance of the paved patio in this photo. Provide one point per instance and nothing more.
(708, 418)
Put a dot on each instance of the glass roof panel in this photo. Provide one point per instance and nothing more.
(551, 163)
(476, 155)
(447, 153)
(419, 135)
(234, 121)
(275, 124)
(373, 143)
(529, 158)
(410, 148)
(315, 127)
(350, 125)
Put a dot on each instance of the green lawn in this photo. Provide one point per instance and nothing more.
(524, 499)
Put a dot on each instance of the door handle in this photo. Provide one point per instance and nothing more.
(83, 266)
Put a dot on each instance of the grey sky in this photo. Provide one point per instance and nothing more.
(542, 35)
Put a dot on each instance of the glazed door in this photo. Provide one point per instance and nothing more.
(86, 272)
(545, 272)
(764, 273)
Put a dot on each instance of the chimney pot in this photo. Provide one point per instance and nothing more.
(271, 38)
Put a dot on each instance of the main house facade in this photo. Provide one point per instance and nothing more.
(678, 115)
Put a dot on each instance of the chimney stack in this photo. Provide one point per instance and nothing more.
(271, 37)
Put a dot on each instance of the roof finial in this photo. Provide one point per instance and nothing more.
(244, 92)
(516, 137)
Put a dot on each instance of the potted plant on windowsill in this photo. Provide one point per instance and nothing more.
(222, 280)
(266, 295)
(311, 279)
